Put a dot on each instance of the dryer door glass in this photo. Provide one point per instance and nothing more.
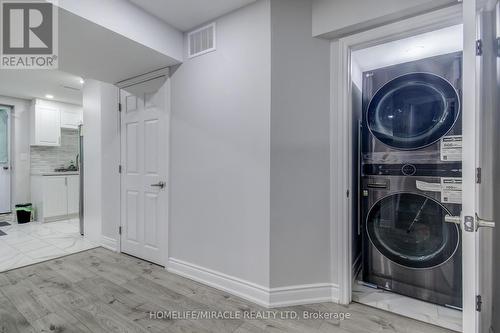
(410, 230)
(413, 111)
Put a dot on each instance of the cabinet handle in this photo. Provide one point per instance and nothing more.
(66, 181)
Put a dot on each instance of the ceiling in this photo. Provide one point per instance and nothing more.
(86, 50)
(29, 84)
(185, 15)
(92, 51)
(426, 45)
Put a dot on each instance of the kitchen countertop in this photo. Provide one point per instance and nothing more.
(48, 174)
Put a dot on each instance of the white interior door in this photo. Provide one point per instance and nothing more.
(479, 119)
(5, 165)
(144, 140)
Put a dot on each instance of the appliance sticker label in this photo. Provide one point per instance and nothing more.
(451, 190)
(429, 187)
(451, 148)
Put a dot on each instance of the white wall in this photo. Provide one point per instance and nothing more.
(92, 159)
(101, 192)
(220, 150)
(110, 150)
(300, 159)
(20, 146)
(130, 21)
(332, 19)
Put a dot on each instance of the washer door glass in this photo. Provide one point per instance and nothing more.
(413, 111)
(410, 230)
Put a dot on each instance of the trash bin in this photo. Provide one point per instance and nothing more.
(23, 213)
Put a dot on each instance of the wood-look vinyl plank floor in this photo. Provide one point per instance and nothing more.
(102, 291)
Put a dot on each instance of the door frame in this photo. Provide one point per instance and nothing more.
(162, 72)
(341, 187)
(10, 111)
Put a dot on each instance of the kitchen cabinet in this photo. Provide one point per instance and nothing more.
(73, 188)
(45, 125)
(47, 119)
(70, 119)
(54, 200)
(55, 197)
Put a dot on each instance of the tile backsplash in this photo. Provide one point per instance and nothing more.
(46, 159)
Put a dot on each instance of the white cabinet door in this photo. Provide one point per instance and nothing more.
(55, 199)
(73, 194)
(47, 127)
(70, 119)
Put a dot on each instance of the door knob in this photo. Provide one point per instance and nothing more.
(482, 223)
(6, 168)
(160, 185)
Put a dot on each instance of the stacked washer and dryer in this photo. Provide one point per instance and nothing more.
(411, 171)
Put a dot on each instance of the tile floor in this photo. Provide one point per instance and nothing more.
(27, 244)
(408, 307)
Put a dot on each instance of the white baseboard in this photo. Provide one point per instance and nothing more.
(238, 287)
(304, 294)
(269, 298)
(109, 243)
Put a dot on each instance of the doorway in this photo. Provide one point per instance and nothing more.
(476, 300)
(411, 109)
(389, 201)
(144, 174)
(5, 160)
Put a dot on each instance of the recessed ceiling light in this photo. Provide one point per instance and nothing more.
(49, 96)
(82, 81)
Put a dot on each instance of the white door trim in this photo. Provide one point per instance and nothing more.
(10, 111)
(164, 72)
(341, 133)
(144, 77)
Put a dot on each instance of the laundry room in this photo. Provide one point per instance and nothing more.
(407, 168)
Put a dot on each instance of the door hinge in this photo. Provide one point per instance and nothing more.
(119, 107)
(479, 47)
(478, 175)
(119, 230)
(348, 193)
(120, 168)
(479, 303)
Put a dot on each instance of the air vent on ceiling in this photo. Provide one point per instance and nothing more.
(71, 88)
(202, 41)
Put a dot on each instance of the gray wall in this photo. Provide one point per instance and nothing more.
(101, 160)
(496, 196)
(332, 19)
(489, 203)
(110, 149)
(300, 160)
(220, 150)
(92, 159)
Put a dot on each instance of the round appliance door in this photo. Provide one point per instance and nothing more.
(409, 229)
(413, 111)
